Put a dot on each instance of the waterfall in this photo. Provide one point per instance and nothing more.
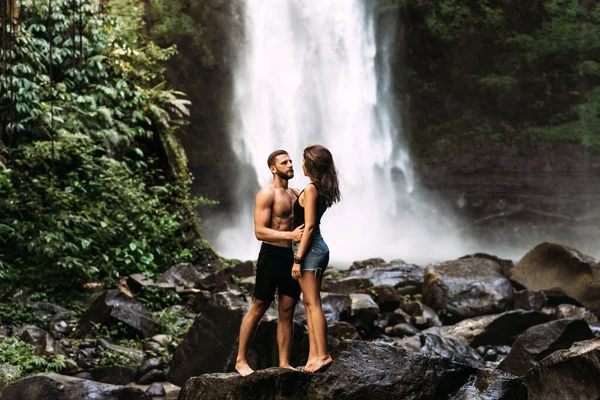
(316, 72)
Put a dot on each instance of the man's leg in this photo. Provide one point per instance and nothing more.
(285, 329)
(247, 331)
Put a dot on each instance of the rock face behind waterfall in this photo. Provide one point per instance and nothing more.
(361, 370)
(560, 270)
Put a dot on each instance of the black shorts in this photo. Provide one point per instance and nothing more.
(274, 272)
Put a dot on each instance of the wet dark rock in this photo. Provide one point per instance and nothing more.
(184, 274)
(44, 343)
(156, 390)
(529, 300)
(498, 329)
(113, 374)
(467, 288)
(571, 311)
(198, 300)
(402, 329)
(567, 374)
(363, 311)
(366, 264)
(210, 342)
(114, 306)
(386, 297)
(450, 348)
(336, 307)
(60, 387)
(248, 284)
(154, 375)
(360, 370)
(542, 340)
(397, 317)
(244, 269)
(149, 363)
(137, 282)
(216, 281)
(343, 331)
(396, 275)
(347, 285)
(493, 385)
(421, 315)
(560, 269)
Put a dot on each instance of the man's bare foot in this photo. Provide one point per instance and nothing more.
(287, 366)
(243, 368)
(319, 363)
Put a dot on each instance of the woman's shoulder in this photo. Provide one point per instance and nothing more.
(311, 188)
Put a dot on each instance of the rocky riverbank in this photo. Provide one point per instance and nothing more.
(472, 328)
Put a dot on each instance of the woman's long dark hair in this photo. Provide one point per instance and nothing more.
(321, 169)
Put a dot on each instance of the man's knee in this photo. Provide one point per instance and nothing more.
(259, 308)
(287, 305)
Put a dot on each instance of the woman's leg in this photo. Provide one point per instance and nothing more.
(312, 302)
(312, 347)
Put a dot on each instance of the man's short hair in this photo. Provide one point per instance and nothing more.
(273, 155)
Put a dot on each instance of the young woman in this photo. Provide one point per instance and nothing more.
(311, 254)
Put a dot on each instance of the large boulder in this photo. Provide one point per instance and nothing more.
(467, 288)
(560, 270)
(60, 387)
(210, 342)
(114, 306)
(542, 340)
(497, 329)
(567, 374)
(398, 275)
(360, 370)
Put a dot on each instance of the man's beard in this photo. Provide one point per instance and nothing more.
(285, 175)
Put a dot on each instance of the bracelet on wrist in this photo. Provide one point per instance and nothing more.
(298, 260)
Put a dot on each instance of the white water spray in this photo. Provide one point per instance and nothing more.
(312, 72)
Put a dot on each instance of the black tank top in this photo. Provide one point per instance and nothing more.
(299, 210)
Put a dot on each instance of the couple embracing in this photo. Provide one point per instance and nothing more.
(293, 255)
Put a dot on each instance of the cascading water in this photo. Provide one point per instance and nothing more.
(313, 72)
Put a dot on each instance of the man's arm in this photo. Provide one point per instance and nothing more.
(262, 219)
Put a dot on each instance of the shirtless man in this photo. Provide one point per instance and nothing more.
(272, 225)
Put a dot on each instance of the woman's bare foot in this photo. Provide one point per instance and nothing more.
(319, 363)
(243, 368)
(309, 363)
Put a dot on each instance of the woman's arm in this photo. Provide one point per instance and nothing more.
(310, 220)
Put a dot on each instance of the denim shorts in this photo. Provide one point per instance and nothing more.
(317, 256)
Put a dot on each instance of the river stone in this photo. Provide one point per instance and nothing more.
(561, 269)
(59, 387)
(114, 306)
(542, 340)
(529, 300)
(397, 275)
(466, 288)
(567, 374)
(44, 343)
(243, 269)
(492, 384)
(360, 370)
(363, 310)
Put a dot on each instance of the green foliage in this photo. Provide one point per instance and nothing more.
(173, 323)
(110, 357)
(93, 182)
(15, 352)
(18, 313)
(156, 298)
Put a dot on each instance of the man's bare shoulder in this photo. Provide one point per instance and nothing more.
(266, 194)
